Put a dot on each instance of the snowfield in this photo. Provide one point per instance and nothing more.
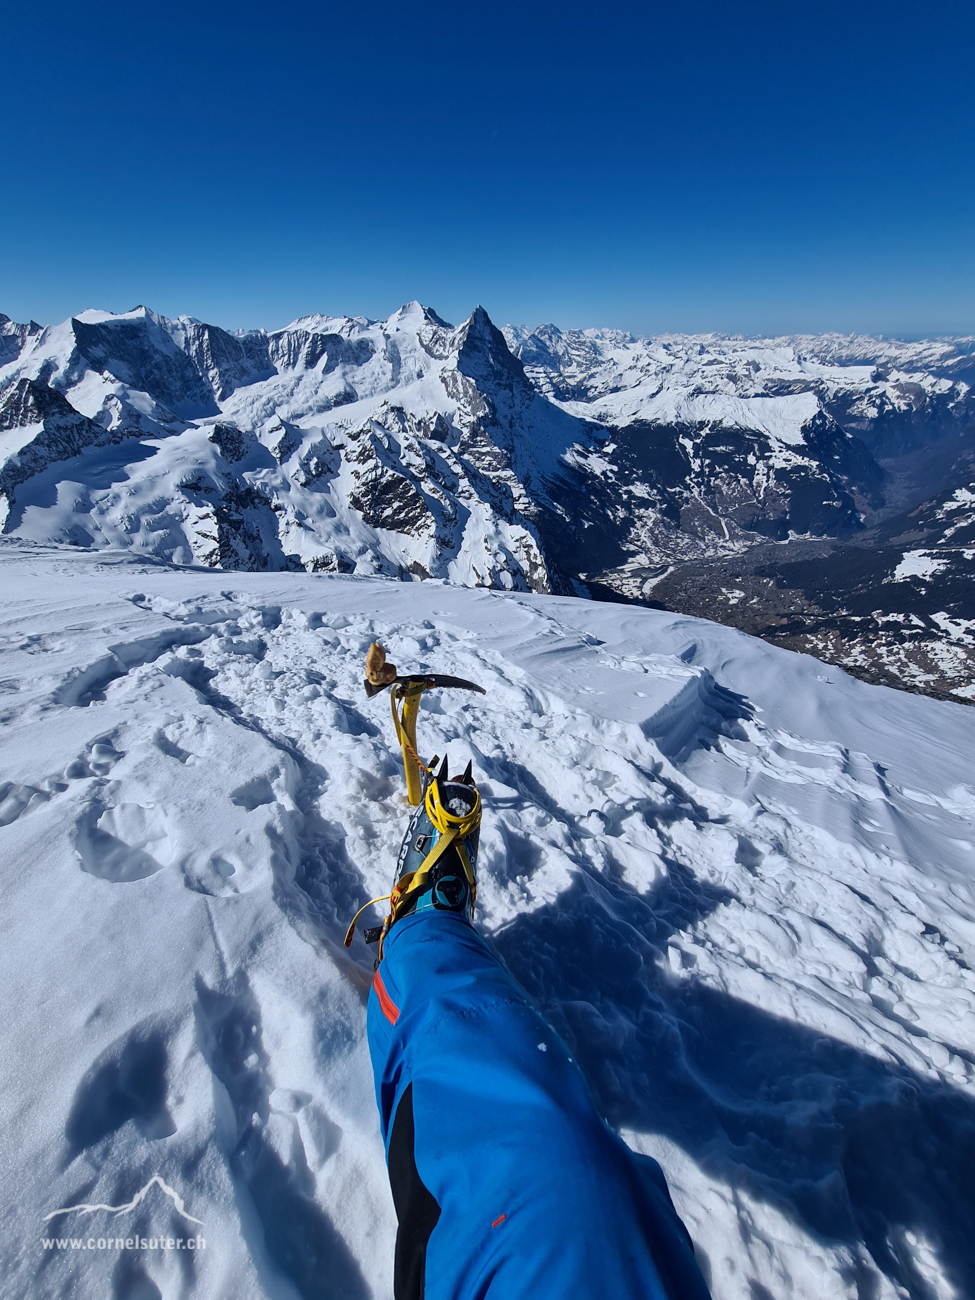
(739, 884)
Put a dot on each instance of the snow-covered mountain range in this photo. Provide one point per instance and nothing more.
(399, 447)
(576, 462)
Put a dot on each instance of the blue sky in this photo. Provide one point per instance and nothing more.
(752, 167)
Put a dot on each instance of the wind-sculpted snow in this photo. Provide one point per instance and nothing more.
(738, 884)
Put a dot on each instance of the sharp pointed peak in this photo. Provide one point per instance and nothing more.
(478, 324)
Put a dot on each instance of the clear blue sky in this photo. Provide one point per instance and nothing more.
(755, 166)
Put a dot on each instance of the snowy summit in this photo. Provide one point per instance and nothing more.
(737, 883)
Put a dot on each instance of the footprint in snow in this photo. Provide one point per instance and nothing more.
(16, 799)
(114, 843)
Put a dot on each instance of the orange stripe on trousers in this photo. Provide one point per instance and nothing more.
(389, 1008)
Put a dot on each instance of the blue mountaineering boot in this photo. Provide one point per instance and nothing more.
(436, 866)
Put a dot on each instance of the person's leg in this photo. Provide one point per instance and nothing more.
(506, 1181)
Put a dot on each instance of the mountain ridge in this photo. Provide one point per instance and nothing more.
(591, 462)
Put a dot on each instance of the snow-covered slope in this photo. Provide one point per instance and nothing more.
(729, 403)
(740, 885)
(895, 394)
(411, 446)
(736, 439)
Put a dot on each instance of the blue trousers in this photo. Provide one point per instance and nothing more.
(507, 1183)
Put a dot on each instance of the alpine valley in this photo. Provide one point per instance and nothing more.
(818, 491)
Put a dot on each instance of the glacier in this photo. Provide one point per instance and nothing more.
(737, 882)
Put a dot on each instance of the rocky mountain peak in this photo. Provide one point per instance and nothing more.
(580, 461)
(415, 313)
(484, 356)
(14, 336)
(26, 403)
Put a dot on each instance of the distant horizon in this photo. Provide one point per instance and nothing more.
(880, 337)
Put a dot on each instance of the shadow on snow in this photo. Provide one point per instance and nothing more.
(856, 1150)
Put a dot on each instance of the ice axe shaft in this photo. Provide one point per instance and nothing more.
(406, 691)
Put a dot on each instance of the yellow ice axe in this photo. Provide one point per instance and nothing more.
(405, 693)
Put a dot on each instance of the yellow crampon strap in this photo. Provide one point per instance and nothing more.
(351, 930)
(454, 830)
(405, 725)
(464, 824)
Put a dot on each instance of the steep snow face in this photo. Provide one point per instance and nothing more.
(740, 886)
(14, 337)
(39, 429)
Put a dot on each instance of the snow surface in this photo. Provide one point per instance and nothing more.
(740, 889)
(919, 564)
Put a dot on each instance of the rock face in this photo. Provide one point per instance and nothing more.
(405, 447)
(804, 442)
(715, 443)
(895, 396)
(38, 428)
(13, 337)
(581, 462)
